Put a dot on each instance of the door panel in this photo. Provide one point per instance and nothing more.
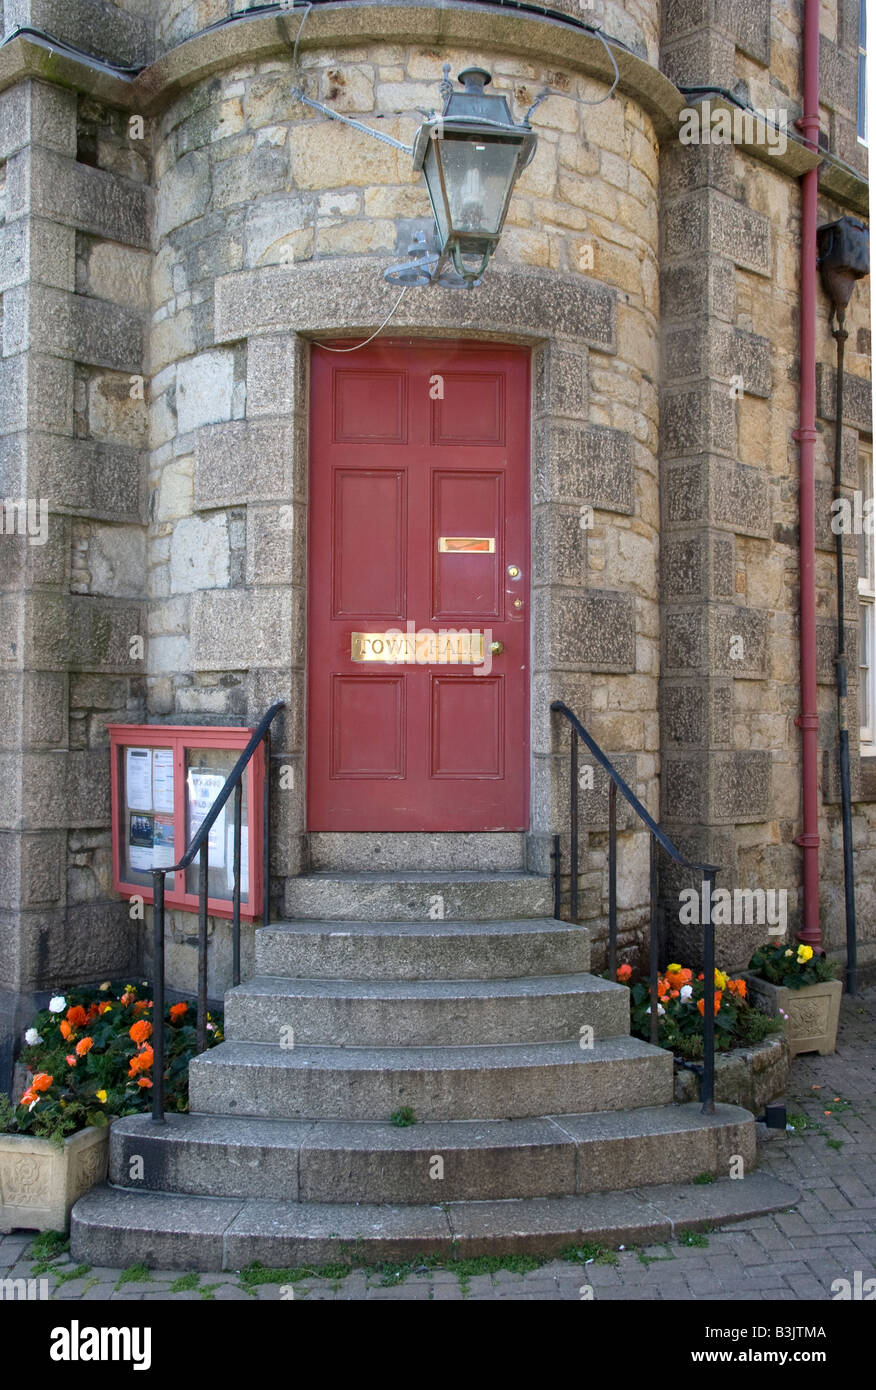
(419, 505)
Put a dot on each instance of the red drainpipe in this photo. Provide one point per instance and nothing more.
(805, 434)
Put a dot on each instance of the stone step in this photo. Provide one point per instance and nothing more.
(425, 1013)
(116, 1226)
(489, 850)
(441, 950)
(511, 1081)
(464, 896)
(337, 1161)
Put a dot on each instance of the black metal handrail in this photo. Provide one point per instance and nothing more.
(200, 845)
(656, 836)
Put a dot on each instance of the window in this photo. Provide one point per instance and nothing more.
(862, 73)
(866, 607)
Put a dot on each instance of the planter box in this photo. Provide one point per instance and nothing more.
(746, 1076)
(813, 1011)
(40, 1182)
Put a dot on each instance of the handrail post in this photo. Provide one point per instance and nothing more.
(203, 874)
(558, 887)
(235, 889)
(707, 1094)
(573, 847)
(266, 822)
(612, 880)
(158, 997)
(652, 938)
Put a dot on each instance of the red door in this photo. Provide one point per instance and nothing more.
(419, 552)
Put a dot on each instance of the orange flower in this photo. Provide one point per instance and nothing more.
(741, 988)
(144, 1081)
(77, 1016)
(70, 1060)
(66, 1030)
(104, 1008)
(84, 1045)
(41, 1082)
(718, 994)
(701, 1005)
(29, 1097)
(128, 998)
(141, 1061)
(141, 1004)
(140, 1031)
(177, 1010)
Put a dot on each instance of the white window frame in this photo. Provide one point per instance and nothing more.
(865, 96)
(867, 610)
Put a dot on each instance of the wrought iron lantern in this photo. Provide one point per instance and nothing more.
(471, 157)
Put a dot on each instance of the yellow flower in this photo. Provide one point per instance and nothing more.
(105, 985)
(101, 1095)
(675, 969)
(720, 979)
(804, 953)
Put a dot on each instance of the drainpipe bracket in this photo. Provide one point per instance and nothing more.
(806, 434)
(807, 840)
(806, 721)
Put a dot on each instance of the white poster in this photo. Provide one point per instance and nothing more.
(138, 779)
(244, 859)
(204, 787)
(162, 779)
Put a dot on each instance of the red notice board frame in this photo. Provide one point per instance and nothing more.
(181, 738)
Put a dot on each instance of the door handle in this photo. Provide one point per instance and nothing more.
(497, 648)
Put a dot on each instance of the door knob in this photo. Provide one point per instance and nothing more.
(497, 648)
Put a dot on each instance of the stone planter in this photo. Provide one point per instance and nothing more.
(813, 1011)
(40, 1182)
(746, 1076)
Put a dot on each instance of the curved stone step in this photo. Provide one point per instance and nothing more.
(440, 950)
(463, 895)
(510, 1081)
(116, 1226)
(425, 1013)
(337, 1161)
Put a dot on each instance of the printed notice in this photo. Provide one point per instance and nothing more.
(140, 843)
(138, 779)
(162, 779)
(204, 787)
(162, 845)
(244, 859)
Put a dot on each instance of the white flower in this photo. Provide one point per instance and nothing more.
(58, 1004)
(33, 1103)
(686, 991)
(31, 1037)
(660, 1010)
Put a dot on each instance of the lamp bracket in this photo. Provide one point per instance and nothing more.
(347, 120)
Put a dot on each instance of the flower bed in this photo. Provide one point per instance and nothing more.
(90, 1058)
(681, 1009)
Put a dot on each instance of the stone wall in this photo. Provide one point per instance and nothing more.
(73, 274)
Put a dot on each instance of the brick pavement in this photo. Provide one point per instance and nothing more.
(791, 1256)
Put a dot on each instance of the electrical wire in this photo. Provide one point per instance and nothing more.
(325, 347)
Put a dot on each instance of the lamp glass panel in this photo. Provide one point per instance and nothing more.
(433, 184)
(477, 175)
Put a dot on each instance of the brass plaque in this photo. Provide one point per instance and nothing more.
(467, 545)
(442, 648)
